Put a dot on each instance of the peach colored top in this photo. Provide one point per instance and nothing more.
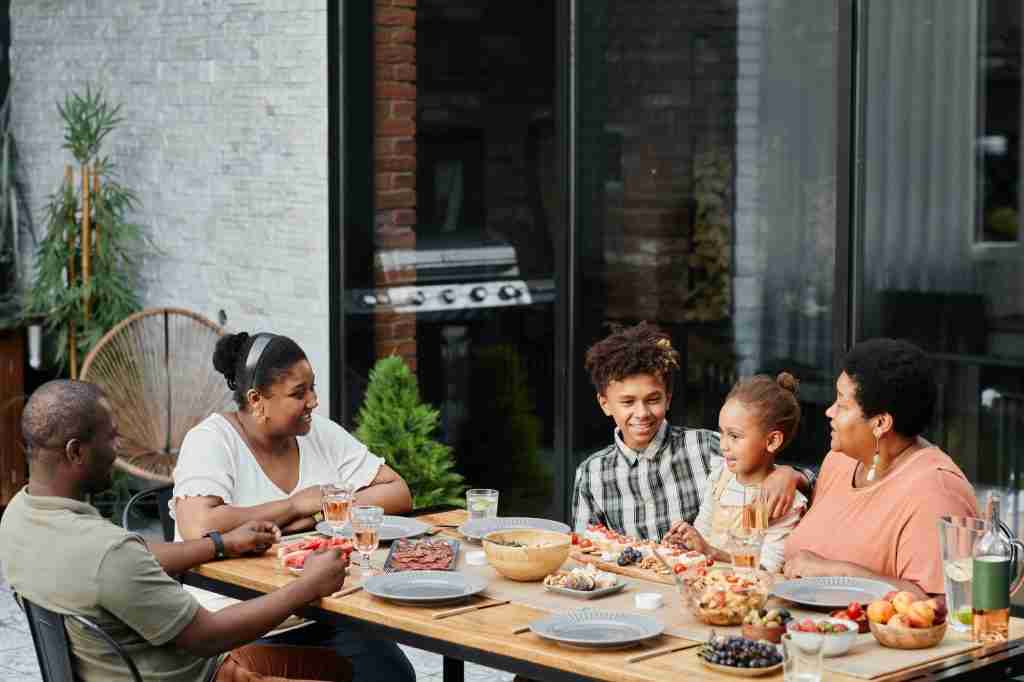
(888, 528)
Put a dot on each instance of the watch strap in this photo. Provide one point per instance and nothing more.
(218, 544)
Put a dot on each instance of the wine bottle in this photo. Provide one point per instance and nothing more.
(990, 585)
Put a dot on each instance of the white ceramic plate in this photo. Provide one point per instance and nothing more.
(586, 594)
(393, 528)
(597, 629)
(831, 592)
(424, 587)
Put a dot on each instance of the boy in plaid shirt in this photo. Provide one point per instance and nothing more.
(652, 474)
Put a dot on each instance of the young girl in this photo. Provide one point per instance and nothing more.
(758, 420)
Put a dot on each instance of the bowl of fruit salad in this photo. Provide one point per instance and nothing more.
(834, 635)
(725, 597)
(766, 624)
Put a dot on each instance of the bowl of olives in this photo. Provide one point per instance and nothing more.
(766, 624)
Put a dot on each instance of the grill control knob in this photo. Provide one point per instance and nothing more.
(478, 294)
(448, 296)
(417, 298)
(508, 292)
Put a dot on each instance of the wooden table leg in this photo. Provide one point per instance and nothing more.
(454, 670)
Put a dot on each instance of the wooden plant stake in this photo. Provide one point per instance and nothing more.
(86, 236)
(95, 210)
(69, 183)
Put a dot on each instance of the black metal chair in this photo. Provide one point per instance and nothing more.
(163, 497)
(52, 646)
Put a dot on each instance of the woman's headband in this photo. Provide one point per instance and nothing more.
(252, 361)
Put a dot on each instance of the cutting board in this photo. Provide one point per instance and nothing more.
(631, 571)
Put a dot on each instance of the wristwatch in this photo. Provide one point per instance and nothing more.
(218, 544)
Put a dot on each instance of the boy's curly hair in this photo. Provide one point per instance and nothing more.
(641, 349)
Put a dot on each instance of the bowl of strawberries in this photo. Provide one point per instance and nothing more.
(856, 612)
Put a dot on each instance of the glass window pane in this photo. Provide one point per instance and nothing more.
(941, 194)
(460, 280)
(706, 195)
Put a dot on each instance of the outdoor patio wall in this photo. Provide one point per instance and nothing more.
(224, 139)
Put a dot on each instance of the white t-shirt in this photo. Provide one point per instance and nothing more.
(214, 460)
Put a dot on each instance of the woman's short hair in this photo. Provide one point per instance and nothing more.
(893, 376)
(275, 358)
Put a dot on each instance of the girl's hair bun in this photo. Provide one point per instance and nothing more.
(226, 356)
(788, 382)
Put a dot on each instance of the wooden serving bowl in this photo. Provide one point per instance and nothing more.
(544, 553)
(908, 638)
(771, 634)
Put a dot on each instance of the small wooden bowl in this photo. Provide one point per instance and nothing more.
(545, 552)
(771, 634)
(908, 638)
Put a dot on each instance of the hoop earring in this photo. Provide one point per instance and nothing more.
(874, 462)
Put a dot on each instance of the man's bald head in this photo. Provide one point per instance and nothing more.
(60, 411)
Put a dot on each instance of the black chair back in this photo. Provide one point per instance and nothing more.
(163, 497)
(53, 650)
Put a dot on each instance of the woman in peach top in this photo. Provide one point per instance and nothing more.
(882, 486)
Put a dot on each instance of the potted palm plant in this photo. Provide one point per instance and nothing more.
(86, 262)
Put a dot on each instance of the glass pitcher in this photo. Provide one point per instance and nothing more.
(957, 537)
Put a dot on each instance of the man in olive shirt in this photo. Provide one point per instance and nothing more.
(57, 551)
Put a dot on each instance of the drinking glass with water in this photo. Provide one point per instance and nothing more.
(482, 503)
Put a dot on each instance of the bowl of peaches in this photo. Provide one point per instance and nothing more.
(900, 620)
(724, 596)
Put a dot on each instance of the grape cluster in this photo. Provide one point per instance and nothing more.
(628, 556)
(740, 653)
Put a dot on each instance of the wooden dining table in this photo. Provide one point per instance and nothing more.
(498, 635)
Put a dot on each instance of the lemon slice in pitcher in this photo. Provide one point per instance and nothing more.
(959, 570)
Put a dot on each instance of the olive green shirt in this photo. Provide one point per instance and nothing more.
(62, 555)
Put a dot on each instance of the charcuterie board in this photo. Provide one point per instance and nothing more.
(631, 571)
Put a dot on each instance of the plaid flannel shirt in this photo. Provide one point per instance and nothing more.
(642, 493)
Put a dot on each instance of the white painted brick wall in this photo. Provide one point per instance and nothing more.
(224, 140)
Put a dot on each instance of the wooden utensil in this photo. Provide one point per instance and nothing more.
(678, 646)
(520, 629)
(466, 609)
(345, 591)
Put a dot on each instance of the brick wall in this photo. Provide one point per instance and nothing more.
(395, 161)
(224, 139)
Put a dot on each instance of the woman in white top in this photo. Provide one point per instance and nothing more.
(267, 460)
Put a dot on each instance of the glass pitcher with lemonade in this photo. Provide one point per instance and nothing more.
(958, 539)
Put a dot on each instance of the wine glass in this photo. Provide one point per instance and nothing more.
(366, 522)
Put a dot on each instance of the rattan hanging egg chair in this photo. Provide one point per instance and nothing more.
(157, 371)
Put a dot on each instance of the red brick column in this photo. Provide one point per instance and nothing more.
(395, 161)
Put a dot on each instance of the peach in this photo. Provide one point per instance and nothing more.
(890, 594)
(898, 621)
(902, 601)
(881, 611)
(920, 615)
(938, 605)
